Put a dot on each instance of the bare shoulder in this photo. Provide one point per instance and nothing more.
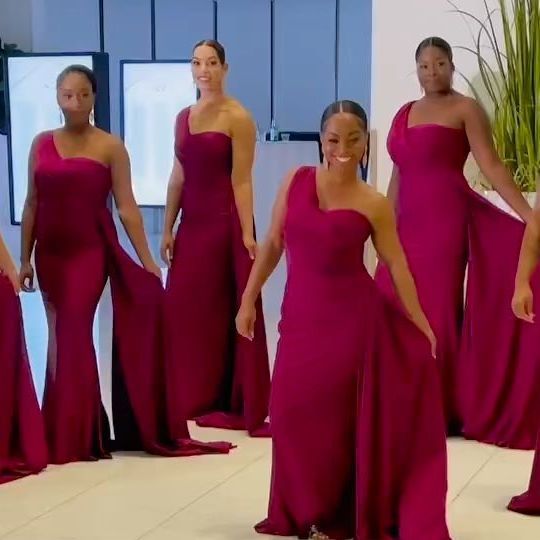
(105, 137)
(238, 114)
(468, 106)
(112, 144)
(374, 204)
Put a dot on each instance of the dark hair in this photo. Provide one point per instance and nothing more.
(438, 43)
(81, 70)
(344, 106)
(216, 45)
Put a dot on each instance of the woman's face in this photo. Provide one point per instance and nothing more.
(435, 70)
(76, 98)
(207, 70)
(344, 141)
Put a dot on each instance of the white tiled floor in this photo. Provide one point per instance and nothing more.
(139, 497)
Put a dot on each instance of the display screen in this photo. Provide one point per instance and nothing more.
(153, 93)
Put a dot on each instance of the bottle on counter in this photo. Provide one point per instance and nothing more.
(274, 133)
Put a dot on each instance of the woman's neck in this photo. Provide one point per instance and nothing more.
(77, 129)
(437, 96)
(212, 97)
(342, 177)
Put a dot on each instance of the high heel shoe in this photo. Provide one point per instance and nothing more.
(315, 534)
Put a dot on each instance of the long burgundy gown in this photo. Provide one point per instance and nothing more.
(216, 377)
(489, 360)
(23, 449)
(76, 250)
(357, 423)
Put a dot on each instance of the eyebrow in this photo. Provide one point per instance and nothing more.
(356, 132)
(213, 57)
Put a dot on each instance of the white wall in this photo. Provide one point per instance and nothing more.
(16, 23)
(398, 28)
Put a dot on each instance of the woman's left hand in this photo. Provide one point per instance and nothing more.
(153, 268)
(251, 245)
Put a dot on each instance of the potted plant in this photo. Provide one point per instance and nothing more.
(510, 84)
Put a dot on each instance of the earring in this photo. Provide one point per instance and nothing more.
(61, 117)
(92, 117)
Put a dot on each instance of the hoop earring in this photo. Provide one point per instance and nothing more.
(61, 117)
(92, 118)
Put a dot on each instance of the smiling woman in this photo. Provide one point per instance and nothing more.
(215, 377)
(342, 351)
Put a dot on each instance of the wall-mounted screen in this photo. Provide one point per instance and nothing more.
(152, 95)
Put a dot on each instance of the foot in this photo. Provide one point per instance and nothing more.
(316, 535)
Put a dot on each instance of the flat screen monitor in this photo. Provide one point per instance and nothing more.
(152, 95)
(32, 108)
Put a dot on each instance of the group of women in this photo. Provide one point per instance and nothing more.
(370, 374)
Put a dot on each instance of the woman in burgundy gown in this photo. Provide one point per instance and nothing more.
(522, 304)
(23, 450)
(215, 377)
(357, 423)
(72, 173)
(488, 360)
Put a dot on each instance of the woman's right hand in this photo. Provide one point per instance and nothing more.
(433, 341)
(522, 302)
(26, 277)
(245, 320)
(424, 326)
(167, 248)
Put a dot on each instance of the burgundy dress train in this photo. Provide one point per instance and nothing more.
(23, 450)
(489, 360)
(77, 249)
(215, 376)
(357, 423)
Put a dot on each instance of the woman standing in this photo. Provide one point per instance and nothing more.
(522, 305)
(490, 385)
(214, 376)
(22, 439)
(73, 172)
(357, 423)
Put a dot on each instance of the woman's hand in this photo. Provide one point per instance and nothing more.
(251, 245)
(153, 268)
(245, 320)
(432, 340)
(522, 302)
(26, 277)
(167, 248)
